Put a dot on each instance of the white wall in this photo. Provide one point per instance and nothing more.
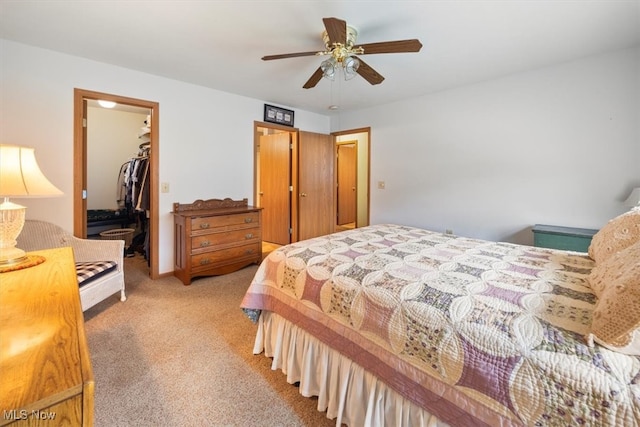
(559, 145)
(206, 136)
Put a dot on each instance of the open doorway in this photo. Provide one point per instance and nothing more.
(352, 178)
(346, 188)
(150, 143)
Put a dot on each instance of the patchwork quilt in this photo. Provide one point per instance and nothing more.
(475, 332)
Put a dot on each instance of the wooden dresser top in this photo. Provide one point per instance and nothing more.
(213, 207)
(43, 352)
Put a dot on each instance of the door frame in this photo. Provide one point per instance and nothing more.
(80, 166)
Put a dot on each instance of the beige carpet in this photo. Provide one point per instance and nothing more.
(175, 355)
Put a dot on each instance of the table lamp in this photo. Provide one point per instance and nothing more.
(20, 177)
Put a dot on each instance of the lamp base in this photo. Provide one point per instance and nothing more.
(12, 256)
(11, 223)
(26, 262)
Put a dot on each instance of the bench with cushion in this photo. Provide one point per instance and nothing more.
(99, 263)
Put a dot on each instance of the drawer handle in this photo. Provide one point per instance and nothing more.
(248, 220)
(249, 251)
(205, 261)
(204, 225)
(248, 236)
(205, 244)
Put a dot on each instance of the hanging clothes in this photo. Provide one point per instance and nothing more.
(143, 203)
(134, 193)
(133, 185)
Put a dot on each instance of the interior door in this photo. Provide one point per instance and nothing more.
(316, 207)
(275, 180)
(346, 165)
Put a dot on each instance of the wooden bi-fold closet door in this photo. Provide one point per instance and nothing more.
(295, 184)
(274, 187)
(316, 207)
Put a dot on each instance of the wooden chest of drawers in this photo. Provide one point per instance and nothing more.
(215, 237)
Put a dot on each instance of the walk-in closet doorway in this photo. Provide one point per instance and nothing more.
(82, 162)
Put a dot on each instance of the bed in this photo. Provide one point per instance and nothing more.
(396, 325)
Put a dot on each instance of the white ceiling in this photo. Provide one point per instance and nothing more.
(219, 44)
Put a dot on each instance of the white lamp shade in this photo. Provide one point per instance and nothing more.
(328, 68)
(350, 65)
(20, 175)
(634, 198)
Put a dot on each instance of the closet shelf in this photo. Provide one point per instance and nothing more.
(144, 131)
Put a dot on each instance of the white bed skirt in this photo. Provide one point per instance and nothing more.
(345, 390)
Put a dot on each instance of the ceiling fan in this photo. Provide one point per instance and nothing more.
(340, 43)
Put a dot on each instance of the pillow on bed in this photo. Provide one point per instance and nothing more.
(616, 318)
(619, 233)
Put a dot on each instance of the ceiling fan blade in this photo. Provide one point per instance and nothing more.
(289, 55)
(399, 46)
(336, 30)
(314, 79)
(369, 74)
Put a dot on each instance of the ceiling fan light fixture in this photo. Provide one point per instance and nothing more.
(340, 44)
(350, 65)
(328, 68)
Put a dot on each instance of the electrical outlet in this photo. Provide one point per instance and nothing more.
(164, 187)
